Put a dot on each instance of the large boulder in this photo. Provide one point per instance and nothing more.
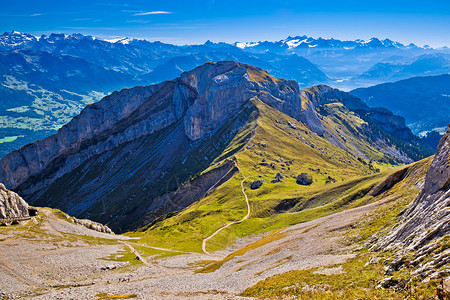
(304, 179)
(256, 184)
(12, 205)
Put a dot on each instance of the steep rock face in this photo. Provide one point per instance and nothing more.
(204, 98)
(91, 132)
(327, 111)
(222, 88)
(428, 216)
(12, 205)
(420, 238)
(382, 117)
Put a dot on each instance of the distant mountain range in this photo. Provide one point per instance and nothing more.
(366, 61)
(47, 80)
(18, 40)
(306, 42)
(397, 68)
(423, 101)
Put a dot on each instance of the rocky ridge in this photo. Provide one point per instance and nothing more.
(427, 217)
(321, 101)
(425, 223)
(202, 98)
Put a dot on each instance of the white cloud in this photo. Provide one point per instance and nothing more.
(137, 21)
(156, 12)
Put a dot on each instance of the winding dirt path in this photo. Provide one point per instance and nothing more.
(235, 222)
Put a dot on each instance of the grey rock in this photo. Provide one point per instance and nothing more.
(386, 282)
(292, 125)
(93, 225)
(443, 290)
(304, 179)
(388, 271)
(428, 215)
(397, 263)
(256, 184)
(446, 284)
(12, 205)
(278, 178)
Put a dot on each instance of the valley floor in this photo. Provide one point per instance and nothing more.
(72, 262)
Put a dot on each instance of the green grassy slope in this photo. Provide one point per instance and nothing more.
(340, 181)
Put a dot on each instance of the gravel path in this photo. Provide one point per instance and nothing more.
(235, 222)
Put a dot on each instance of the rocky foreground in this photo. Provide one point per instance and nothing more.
(49, 264)
(421, 237)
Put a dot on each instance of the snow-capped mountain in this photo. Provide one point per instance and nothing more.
(321, 43)
(16, 40)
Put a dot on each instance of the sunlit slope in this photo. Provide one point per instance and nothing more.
(278, 144)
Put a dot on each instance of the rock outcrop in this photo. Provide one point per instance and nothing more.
(93, 225)
(12, 205)
(318, 98)
(424, 222)
(428, 216)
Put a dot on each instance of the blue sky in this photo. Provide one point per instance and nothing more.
(187, 22)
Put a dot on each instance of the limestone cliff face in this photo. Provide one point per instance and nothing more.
(203, 98)
(428, 216)
(11, 205)
(222, 89)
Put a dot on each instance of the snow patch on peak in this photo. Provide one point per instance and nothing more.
(295, 43)
(243, 45)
